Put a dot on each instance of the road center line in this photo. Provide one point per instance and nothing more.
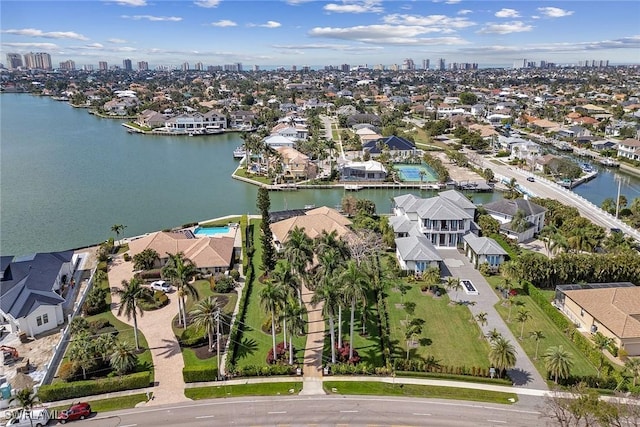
(419, 414)
(277, 412)
(497, 421)
(348, 412)
(205, 416)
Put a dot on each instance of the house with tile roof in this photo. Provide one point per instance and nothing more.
(505, 210)
(31, 290)
(209, 254)
(612, 309)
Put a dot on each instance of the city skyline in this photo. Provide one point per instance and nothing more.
(302, 32)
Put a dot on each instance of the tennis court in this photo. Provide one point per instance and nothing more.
(411, 173)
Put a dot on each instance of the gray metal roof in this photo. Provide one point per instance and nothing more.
(27, 282)
(435, 208)
(483, 245)
(510, 207)
(417, 248)
(400, 224)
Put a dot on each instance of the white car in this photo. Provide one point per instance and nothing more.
(161, 285)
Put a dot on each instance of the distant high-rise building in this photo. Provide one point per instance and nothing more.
(408, 64)
(306, 69)
(345, 68)
(199, 66)
(256, 68)
(378, 67)
(126, 65)
(14, 60)
(441, 66)
(184, 66)
(103, 66)
(87, 67)
(37, 61)
(143, 66)
(68, 65)
(294, 68)
(425, 64)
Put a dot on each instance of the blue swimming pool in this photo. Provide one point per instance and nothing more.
(411, 173)
(210, 231)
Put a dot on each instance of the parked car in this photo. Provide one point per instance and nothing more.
(35, 418)
(531, 179)
(77, 411)
(161, 285)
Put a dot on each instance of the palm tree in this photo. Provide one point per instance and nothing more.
(354, 282)
(519, 221)
(271, 297)
(82, 352)
(502, 355)
(180, 270)
(131, 294)
(453, 283)
(123, 357)
(26, 398)
(493, 335)
(118, 228)
(601, 342)
(283, 276)
(414, 327)
(513, 302)
(204, 315)
(522, 317)
(298, 250)
(537, 335)
(482, 320)
(633, 365)
(294, 313)
(558, 362)
(327, 293)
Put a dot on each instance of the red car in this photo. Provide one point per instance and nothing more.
(78, 411)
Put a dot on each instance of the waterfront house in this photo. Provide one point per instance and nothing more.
(31, 290)
(396, 146)
(604, 144)
(443, 219)
(296, 133)
(629, 148)
(416, 254)
(209, 254)
(613, 309)
(275, 141)
(150, 119)
(483, 250)
(295, 165)
(314, 222)
(370, 170)
(214, 119)
(505, 211)
(242, 119)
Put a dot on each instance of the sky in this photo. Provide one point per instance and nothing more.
(316, 33)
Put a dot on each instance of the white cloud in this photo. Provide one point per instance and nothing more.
(507, 13)
(117, 41)
(506, 28)
(350, 6)
(554, 12)
(134, 3)
(224, 23)
(441, 22)
(94, 46)
(338, 47)
(465, 11)
(386, 34)
(152, 18)
(509, 50)
(297, 2)
(268, 24)
(32, 32)
(40, 46)
(207, 3)
(453, 1)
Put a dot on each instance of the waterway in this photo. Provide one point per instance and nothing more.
(66, 177)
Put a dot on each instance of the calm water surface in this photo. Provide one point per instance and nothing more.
(66, 177)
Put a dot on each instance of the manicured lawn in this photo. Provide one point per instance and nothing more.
(221, 222)
(262, 179)
(267, 389)
(410, 390)
(448, 333)
(554, 337)
(192, 360)
(254, 342)
(112, 404)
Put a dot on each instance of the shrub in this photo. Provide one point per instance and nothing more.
(224, 285)
(160, 299)
(265, 371)
(192, 337)
(96, 301)
(63, 390)
(151, 274)
(235, 274)
(343, 354)
(281, 354)
(68, 371)
(126, 257)
(194, 374)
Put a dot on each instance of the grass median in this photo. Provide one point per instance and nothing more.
(266, 389)
(411, 390)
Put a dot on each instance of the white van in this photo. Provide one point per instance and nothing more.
(35, 418)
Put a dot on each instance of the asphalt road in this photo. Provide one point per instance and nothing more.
(322, 411)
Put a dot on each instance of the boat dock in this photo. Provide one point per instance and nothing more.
(566, 183)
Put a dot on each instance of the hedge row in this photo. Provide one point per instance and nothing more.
(72, 390)
(194, 374)
(465, 378)
(264, 371)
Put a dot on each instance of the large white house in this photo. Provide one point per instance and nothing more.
(31, 287)
(629, 148)
(506, 210)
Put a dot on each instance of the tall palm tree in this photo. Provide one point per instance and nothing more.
(601, 342)
(558, 362)
(414, 327)
(453, 283)
(633, 365)
(118, 228)
(522, 317)
(204, 315)
(327, 293)
(537, 335)
(493, 335)
(131, 294)
(298, 250)
(294, 313)
(502, 355)
(283, 276)
(329, 268)
(482, 320)
(511, 302)
(180, 270)
(123, 357)
(27, 399)
(354, 283)
(271, 297)
(82, 352)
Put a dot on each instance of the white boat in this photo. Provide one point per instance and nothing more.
(353, 187)
(610, 163)
(239, 152)
(213, 130)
